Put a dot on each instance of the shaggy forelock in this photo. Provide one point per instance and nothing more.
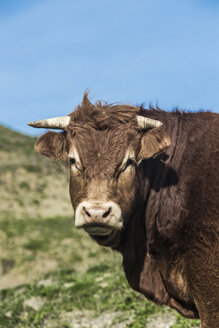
(102, 133)
(102, 116)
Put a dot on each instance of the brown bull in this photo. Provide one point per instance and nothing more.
(145, 182)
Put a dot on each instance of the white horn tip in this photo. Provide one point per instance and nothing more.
(148, 123)
(30, 123)
(58, 123)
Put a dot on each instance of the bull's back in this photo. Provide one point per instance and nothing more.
(202, 165)
(202, 259)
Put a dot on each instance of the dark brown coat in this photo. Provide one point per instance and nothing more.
(169, 200)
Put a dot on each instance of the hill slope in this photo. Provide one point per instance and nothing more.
(31, 185)
(36, 217)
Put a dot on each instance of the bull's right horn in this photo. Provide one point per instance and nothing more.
(59, 123)
(147, 123)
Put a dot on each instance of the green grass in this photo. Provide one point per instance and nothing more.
(50, 229)
(11, 140)
(102, 288)
(27, 178)
(45, 238)
(22, 154)
(98, 289)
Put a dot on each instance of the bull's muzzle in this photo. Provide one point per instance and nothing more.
(98, 218)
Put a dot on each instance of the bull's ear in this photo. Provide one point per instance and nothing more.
(153, 142)
(53, 145)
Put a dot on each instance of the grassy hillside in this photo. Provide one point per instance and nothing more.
(65, 280)
(28, 179)
(51, 274)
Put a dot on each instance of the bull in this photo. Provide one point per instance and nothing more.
(145, 183)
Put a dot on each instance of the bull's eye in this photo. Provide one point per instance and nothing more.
(74, 164)
(72, 161)
(129, 162)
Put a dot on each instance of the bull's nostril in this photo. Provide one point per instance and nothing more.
(107, 213)
(95, 213)
(88, 214)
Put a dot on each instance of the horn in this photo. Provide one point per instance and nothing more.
(147, 123)
(59, 123)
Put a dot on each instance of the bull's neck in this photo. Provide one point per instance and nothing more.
(160, 173)
(158, 179)
(161, 181)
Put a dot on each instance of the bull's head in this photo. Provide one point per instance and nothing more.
(104, 145)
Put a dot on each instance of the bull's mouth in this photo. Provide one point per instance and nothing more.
(104, 235)
(98, 229)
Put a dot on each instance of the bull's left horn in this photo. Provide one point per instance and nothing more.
(59, 123)
(147, 123)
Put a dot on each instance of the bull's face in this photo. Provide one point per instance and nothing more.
(103, 182)
(103, 154)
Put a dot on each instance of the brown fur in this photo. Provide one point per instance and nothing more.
(169, 202)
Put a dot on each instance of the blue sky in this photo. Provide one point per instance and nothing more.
(138, 51)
